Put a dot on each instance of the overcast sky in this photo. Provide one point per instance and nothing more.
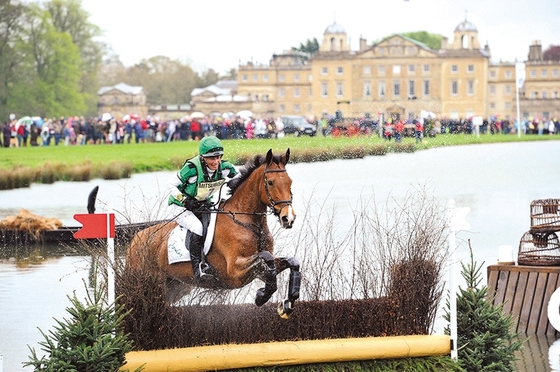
(219, 34)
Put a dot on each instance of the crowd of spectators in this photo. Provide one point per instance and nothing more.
(77, 130)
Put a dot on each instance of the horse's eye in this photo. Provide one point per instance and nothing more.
(270, 183)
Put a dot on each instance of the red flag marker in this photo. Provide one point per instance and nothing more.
(95, 226)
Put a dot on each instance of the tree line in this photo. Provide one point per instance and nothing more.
(51, 64)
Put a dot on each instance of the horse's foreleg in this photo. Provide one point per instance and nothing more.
(287, 306)
(270, 286)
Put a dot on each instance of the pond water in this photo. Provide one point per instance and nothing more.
(497, 182)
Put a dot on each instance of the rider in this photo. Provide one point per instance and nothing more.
(191, 191)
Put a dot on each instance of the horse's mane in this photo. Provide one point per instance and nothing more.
(247, 169)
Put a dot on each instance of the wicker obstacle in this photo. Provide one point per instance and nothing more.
(545, 215)
(223, 357)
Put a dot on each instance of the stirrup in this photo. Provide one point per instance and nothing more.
(205, 275)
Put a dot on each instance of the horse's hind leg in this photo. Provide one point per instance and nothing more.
(270, 286)
(287, 306)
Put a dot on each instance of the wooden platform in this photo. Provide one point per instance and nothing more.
(524, 292)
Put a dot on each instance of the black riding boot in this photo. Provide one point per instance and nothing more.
(203, 273)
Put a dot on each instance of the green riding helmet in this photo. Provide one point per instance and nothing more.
(210, 146)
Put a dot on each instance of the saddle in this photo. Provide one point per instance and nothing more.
(176, 248)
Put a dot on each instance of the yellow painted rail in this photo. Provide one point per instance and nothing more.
(219, 357)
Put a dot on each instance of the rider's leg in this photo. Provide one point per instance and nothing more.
(194, 243)
(202, 271)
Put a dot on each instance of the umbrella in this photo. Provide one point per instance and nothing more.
(245, 114)
(24, 120)
(106, 117)
(38, 121)
(126, 118)
(197, 115)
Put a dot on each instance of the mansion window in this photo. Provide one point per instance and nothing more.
(367, 70)
(411, 69)
(296, 92)
(381, 70)
(324, 89)
(411, 88)
(339, 70)
(508, 74)
(281, 93)
(533, 73)
(296, 78)
(470, 69)
(382, 89)
(508, 90)
(396, 88)
(426, 89)
(426, 68)
(492, 105)
(281, 77)
(396, 69)
(265, 77)
(454, 69)
(492, 74)
(555, 72)
(533, 95)
(244, 77)
(282, 108)
(297, 108)
(255, 77)
(339, 89)
(310, 77)
(367, 89)
(470, 87)
(265, 97)
(309, 90)
(544, 73)
(544, 94)
(324, 70)
(508, 105)
(454, 87)
(492, 89)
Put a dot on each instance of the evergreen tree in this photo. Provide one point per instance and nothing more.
(91, 340)
(485, 340)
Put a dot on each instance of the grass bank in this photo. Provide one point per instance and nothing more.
(19, 167)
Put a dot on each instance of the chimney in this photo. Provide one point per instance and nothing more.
(363, 44)
(444, 42)
(535, 51)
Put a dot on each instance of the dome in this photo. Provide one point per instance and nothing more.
(335, 29)
(465, 26)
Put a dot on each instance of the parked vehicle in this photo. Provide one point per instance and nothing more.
(298, 126)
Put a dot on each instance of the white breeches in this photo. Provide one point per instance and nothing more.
(186, 219)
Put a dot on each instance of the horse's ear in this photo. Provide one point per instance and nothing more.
(269, 157)
(286, 157)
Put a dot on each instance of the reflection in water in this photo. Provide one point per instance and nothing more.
(535, 356)
(31, 296)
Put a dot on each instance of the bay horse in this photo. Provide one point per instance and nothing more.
(242, 248)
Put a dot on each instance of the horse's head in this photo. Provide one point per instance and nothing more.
(278, 188)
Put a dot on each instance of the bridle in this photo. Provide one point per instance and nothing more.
(273, 202)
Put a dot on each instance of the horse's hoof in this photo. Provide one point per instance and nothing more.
(285, 309)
